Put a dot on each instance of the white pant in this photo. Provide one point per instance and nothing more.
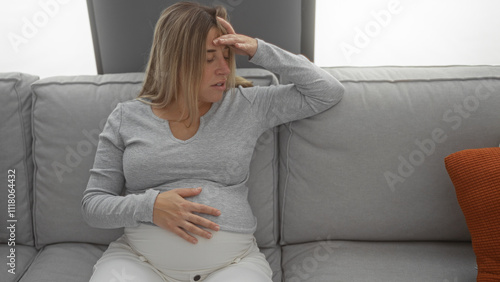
(149, 253)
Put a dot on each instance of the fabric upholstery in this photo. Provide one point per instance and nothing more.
(68, 116)
(475, 173)
(24, 255)
(327, 261)
(68, 262)
(371, 167)
(273, 256)
(339, 219)
(15, 153)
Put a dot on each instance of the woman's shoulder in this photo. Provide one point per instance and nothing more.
(131, 108)
(247, 93)
(134, 104)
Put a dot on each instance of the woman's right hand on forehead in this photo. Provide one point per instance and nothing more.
(241, 44)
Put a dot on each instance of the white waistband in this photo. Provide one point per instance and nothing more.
(169, 252)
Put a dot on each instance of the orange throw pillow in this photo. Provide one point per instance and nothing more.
(475, 173)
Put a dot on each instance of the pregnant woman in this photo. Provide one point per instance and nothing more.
(171, 165)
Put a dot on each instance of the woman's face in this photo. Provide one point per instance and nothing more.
(216, 70)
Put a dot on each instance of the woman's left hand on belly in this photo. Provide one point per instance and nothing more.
(176, 214)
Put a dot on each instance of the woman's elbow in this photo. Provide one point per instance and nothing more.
(86, 211)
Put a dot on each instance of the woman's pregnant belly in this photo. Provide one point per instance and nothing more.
(236, 213)
(167, 251)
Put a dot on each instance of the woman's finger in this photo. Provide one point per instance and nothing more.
(196, 230)
(203, 222)
(184, 235)
(243, 44)
(229, 28)
(228, 40)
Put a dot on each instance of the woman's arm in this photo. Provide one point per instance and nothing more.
(104, 206)
(313, 90)
(103, 203)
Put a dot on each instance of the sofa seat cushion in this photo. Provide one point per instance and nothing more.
(379, 261)
(73, 262)
(475, 173)
(23, 256)
(273, 256)
(68, 262)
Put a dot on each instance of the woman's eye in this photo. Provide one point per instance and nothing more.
(226, 58)
(210, 60)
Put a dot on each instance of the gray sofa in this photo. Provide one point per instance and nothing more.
(357, 193)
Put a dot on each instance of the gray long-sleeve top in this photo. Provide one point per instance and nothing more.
(138, 157)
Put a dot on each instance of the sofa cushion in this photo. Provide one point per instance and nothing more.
(15, 155)
(23, 256)
(379, 261)
(73, 262)
(371, 167)
(68, 262)
(69, 114)
(475, 173)
(273, 256)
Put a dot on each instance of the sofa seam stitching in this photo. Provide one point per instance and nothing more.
(417, 79)
(35, 167)
(28, 267)
(286, 185)
(275, 163)
(41, 84)
(20, 116)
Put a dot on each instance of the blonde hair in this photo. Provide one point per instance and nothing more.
(178, 56)
(243, 82)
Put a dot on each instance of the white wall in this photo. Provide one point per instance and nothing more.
(407, 32)
(52, 37)
(46, 37)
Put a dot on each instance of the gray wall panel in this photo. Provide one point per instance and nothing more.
(123, 29)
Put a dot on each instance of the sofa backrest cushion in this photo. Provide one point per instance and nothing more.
(371, 167)
(15, 158)
(68, 115)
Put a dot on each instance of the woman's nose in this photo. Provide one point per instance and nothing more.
(223, 67)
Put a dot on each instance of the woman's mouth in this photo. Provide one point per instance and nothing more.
(220, 85)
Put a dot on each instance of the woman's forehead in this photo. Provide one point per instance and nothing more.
(212, 34)
(216, 31)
